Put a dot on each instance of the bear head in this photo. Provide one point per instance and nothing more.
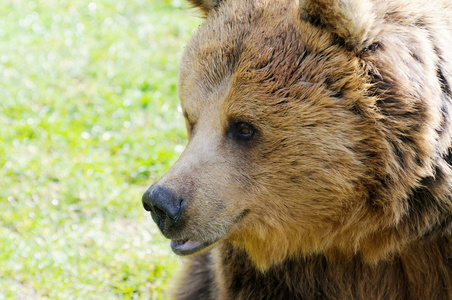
(311, 124)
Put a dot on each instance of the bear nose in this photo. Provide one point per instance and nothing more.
(165, 207)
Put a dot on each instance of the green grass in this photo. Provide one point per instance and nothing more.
(88, 120)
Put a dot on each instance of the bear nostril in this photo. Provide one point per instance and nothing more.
(146, 206)
(181, 207)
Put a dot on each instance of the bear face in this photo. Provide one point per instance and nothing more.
(308, 132)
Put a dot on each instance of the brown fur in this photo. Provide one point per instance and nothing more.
(344, 191)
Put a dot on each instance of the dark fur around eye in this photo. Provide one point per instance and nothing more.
(190, 123)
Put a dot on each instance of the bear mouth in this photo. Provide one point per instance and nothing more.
(187, 247)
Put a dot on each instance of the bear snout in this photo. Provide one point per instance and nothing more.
(165, 207)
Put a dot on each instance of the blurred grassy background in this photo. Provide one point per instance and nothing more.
(88, 119)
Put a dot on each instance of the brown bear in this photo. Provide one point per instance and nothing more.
(319, 156)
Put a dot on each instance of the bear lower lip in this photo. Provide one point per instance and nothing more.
(186, 247)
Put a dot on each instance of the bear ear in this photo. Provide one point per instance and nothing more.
(205, 6)
(351, 20)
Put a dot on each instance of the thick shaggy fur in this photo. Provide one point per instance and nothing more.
(344, 191)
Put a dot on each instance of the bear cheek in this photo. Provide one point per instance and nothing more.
(316, 186)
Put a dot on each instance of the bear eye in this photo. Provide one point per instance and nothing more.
(242, 131)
